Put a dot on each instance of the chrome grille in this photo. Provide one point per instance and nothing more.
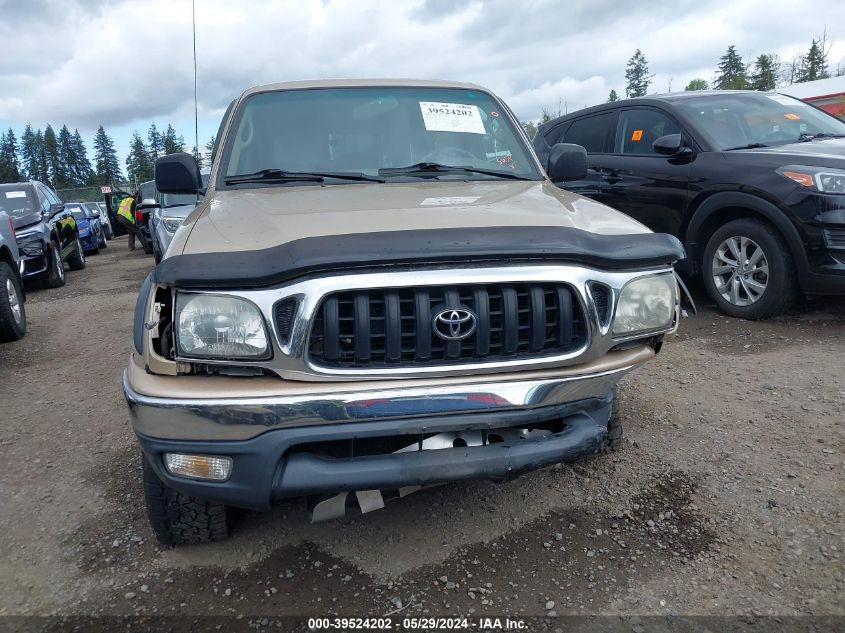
(393, 327)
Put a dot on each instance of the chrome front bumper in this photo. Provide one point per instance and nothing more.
(235, 416)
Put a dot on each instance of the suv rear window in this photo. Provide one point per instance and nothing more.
(638, 129)
(590, 132)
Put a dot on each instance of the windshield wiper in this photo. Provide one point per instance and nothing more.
(280, 175)
(748, 146)
(437, 168)
(804, 136)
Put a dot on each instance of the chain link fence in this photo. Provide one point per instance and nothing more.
(89, 194)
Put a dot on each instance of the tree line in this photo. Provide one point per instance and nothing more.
(61, 160)
(766, 72)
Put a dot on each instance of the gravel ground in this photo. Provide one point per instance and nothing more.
(727, 498)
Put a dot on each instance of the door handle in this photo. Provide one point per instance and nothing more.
(611, 177)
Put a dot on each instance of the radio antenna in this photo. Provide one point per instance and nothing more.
(196, 111)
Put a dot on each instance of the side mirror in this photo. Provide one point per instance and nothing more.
(177, 173)
(95, 213)
(148, 202)
(56, 207)
(567, 162)
(670, 145)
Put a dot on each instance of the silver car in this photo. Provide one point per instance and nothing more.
(12, 312)
(103, 214)
(168, 217)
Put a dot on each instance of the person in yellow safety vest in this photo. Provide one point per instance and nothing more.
(126, 219)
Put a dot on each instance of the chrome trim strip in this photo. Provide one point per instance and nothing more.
(242, 418)
(291, 361)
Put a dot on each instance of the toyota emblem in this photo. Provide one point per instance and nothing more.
(454, 324)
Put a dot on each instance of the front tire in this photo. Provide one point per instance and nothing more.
(12, 311)
(748, 270)
(77, 260)
(56, 271)
(180, 519)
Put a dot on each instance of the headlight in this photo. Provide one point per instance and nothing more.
(219, 327)
(645, 304)
(32, 248)
(171, 224)
(822, 179)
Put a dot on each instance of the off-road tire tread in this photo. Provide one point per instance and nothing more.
(180, 519)
(783, 288)
(9, 329)
(615, 435)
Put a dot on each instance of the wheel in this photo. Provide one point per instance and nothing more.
(748, 270)
(148, 245)
(613, 443)
(77, 260)
(179, 519)
(12, 311)
(107, 231)
(56, 272)
(102, 243)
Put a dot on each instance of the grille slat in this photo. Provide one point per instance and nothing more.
(393, 328)
(835, 238)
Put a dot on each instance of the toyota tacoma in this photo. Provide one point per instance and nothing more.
(381, 290)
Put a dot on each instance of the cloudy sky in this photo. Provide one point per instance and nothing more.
(123, 64)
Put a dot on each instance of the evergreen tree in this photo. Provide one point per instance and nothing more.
(82, 172)
(637, 75)
(67, 160)
(55, 167)
(172, 143)
(209, 146)
(696, 84)
(612, 97)
(764, 74)
(731, 74)
(138, 166)
(156, 142)
(814, 63)
(42, 164)
(9, 165)
(107, 167)
(29, 153)
(198, 157)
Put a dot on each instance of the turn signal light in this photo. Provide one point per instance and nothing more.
(805, 180)
(211, 467)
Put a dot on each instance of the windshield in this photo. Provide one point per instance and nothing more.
(736, 120)
(18, 201)
(363, 130)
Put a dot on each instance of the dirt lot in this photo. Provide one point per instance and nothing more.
(728, 497)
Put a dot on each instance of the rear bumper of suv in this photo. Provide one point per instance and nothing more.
(374, 439)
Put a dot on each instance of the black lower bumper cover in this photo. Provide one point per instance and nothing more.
(266, 470)
(306, 474)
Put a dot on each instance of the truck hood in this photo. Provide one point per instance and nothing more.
(253, 219)
(821, 152)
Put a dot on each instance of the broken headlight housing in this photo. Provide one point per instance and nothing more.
(646, 304)
(219, 327)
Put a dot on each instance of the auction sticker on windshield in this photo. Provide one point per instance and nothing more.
(451, 117)
(16, 194)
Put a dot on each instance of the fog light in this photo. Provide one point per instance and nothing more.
(212, 467)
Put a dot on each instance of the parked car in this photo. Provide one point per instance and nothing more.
(12, 308)
(102, 210)
(46, 232)
(752, 183)
(91, 232)
(168, 217)
(399, 309)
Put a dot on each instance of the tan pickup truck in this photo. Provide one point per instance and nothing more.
(381, 290)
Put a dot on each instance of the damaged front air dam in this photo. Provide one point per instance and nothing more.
(304, 474)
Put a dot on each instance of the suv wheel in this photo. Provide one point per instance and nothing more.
(748, 270)
(77, 260)
(179, 519)
(56, 271)
(12, 312)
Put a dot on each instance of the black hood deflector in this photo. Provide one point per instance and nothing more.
(279, 264)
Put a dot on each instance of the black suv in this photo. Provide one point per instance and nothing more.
(45, 231)
(752, 183)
